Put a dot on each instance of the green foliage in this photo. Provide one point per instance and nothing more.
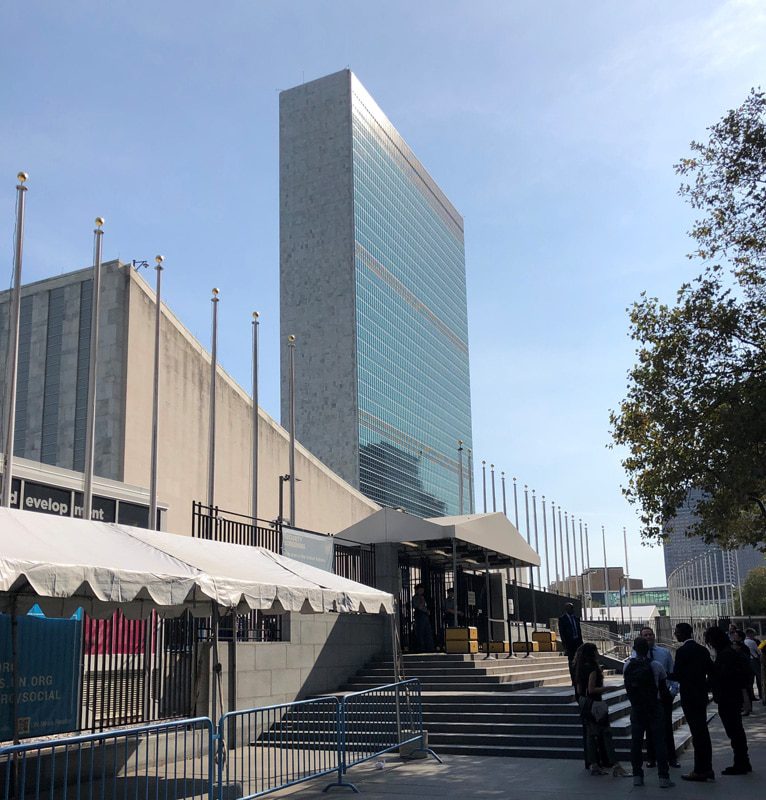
(695, 412)
(754, 593)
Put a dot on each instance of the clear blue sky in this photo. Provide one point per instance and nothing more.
(552, 127)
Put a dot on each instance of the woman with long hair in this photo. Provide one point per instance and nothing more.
(589, 688)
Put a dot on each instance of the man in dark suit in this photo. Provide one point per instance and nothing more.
(692, 672)
(570, 633)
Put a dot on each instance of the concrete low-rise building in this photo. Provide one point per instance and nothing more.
(52, 395)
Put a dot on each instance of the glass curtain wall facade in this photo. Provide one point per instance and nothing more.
(377, 231)
(411, 325)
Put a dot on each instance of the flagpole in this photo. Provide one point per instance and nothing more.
(502, 484)
(606, 573)
(484, 483)
(545, 538)
(155, 399)
(211, 424)
(561, 550)
(590, 584)
(90, 427)
(471, 504)
(515, 504)
(494, 500)
(531, 572)
(254, 501)
(582, 561)
(555, 545)
(12, 367)
(627, 579)
(569, 557)
(537, 540)
(291, 353)
(460, 482)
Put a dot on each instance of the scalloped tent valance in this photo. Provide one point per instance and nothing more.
(62, 564)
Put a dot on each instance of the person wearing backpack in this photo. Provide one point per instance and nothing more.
(642, 678)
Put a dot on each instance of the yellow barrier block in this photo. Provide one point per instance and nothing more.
(462, 646)
(499, 647)
(461, 634)
(526, 647)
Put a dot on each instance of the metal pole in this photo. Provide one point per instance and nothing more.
(471, 503)
(254, 501)
(627, 580)
(515, 504)
(489, 601)
(545, 537)
(484, 483)
(739, 583)
(291, 352)
(90, 426)
(561, 550)
(569, 557)
(555, 545)
(606, 573)
(574, 551)
(582, 581)
(211, 422)
(537, 539)
(494, 498)
(454, 580)
(155, 399)
(531, 573)
(590, 584)
(12, 366)
(460, 475)
(502, 483)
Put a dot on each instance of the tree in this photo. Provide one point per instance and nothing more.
(694, 417)
(754, 593)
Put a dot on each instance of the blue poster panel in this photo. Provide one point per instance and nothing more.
(48, 684)
(308, 548)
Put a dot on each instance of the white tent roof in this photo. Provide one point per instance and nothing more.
(492, 532)
(62, 564)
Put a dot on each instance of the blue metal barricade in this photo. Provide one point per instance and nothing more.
(164, 760)
(377, 721)
(261, 750)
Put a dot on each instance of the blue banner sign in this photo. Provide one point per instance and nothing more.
(308, 548)
(47, 694)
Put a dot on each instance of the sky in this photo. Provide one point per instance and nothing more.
(552, 127)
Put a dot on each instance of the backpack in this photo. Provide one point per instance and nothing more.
(639, 683)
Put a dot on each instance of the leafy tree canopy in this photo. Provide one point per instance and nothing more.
(694, 417)
(754, 592)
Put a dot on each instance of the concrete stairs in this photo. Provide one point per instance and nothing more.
(535, 723)
(443, 672)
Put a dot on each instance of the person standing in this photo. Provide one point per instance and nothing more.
(755, 659)
(692, 671)
(643, 679)
(594, 712)
(664, 658)
(571, 635)
(422, 619)
(727, 680)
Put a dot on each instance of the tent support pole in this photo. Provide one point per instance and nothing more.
(489, 601)
(15, 666)
(454, 582)
(216, 683)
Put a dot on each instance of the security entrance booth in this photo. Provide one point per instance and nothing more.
(477, 555)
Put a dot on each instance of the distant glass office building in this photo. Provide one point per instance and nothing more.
(372, 283)
(728, 566)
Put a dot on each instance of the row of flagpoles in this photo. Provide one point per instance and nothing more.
(11, 377)
(563, 546)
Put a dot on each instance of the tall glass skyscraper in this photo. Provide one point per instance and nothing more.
(372, 279)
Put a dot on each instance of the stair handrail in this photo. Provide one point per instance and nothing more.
(615, 645)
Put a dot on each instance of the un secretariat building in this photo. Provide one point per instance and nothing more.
(372, 276)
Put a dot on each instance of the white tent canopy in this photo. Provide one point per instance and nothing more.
(491, 533)
(62, 564)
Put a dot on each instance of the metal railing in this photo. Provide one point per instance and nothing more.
(170, 759)
(265, 749)
(251, 753)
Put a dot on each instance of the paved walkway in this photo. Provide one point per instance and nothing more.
(543, 779)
